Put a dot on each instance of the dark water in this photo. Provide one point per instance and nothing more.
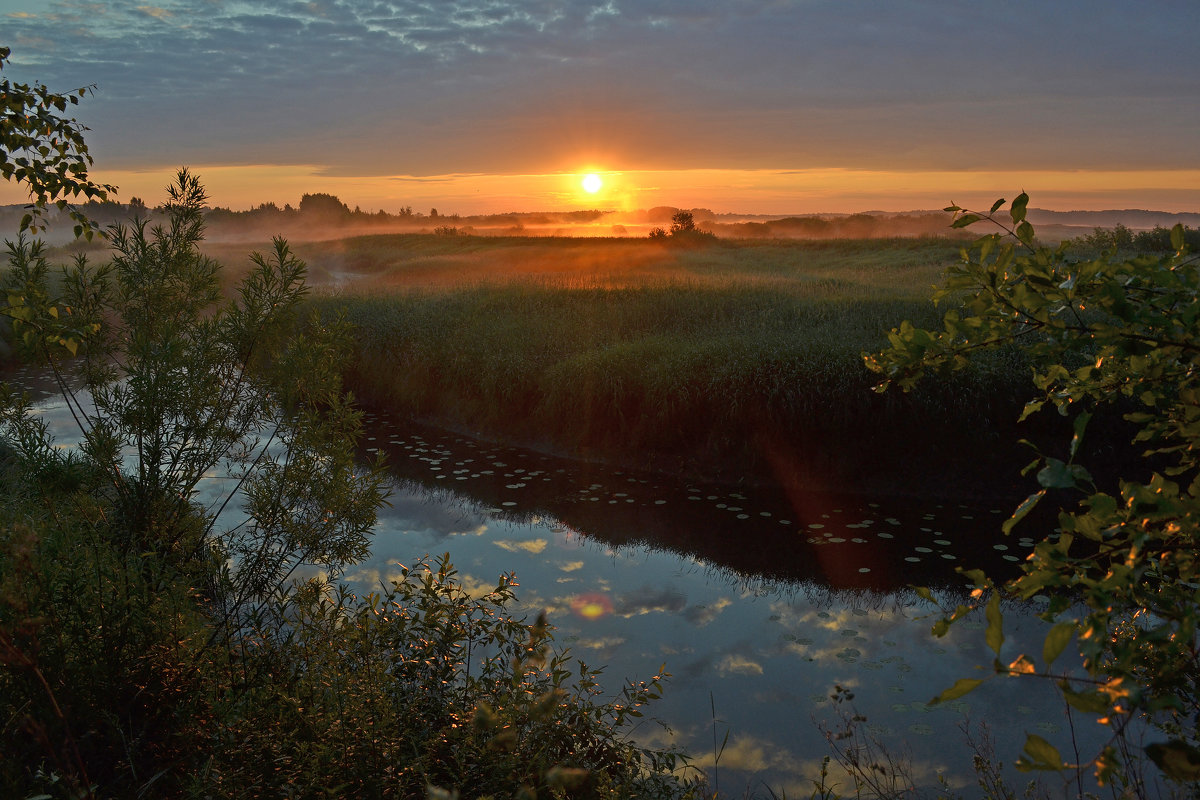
(758, 601)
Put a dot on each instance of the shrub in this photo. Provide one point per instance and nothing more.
(1119, 568)
(152, 645)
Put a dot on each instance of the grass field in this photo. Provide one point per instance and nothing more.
(735, 360)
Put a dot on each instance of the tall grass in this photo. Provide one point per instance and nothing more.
(730, 361)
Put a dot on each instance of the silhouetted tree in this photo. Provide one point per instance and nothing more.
(682, 222)
(325, 205)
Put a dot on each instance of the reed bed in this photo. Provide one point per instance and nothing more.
(735, 361)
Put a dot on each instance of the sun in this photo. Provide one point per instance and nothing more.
(592, 183)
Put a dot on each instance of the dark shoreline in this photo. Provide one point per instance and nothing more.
(935, 473)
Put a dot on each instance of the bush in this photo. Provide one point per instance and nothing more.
(1119, 569)
(423, 685)
(152, 645)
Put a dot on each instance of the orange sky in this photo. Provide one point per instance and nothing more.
(754, 106)
(722, 190)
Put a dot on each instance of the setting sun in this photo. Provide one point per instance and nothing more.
(592, 183)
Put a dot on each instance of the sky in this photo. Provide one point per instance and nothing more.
(745, 106)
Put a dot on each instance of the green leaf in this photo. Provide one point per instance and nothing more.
(1087, 702)
(996, 205)
(1059, 475)
(965, 220)
(1177, 240)
(1025, 233)
(961, 687)
(995, 628)
(1043, 755)
(1018, 208)
(1178, 759)
(1022, 511)
(1056, 641)
(1079, 424)
(924, 593)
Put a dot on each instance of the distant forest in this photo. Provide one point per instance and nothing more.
(325, 216)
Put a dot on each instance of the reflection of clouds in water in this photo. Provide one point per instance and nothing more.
(648, 599)
(701, 615)
(738, 664)
(372, 578)
(368, 578)
(533, 546)
(838, 620)
(571, 566)
(413, 513)
(708, 662)
(752, 754)
(606, 643)
(793, 776)
(476, 587)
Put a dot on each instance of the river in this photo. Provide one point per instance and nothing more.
(759, 601)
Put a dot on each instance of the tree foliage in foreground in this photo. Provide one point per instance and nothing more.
(1121, 568)
(156, 634)
(46, 151)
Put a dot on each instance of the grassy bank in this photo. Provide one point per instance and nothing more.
(735, 360)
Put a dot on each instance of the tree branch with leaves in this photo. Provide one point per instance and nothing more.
(1121, 567)
(45, 150)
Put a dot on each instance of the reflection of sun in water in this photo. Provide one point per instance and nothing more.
(592, 606)
(592, 183)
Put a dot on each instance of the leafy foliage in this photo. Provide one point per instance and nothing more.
(423, 685)
(1120, 569)
(152, 644)
(45, 150)
(1119, 237)
(173, 385)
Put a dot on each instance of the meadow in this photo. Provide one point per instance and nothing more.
(736, 360)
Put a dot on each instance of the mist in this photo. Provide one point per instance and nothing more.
(324, 217)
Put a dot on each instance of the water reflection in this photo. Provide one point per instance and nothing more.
(758, 601)
(840, 541)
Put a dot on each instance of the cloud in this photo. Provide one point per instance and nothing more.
(701, 615)
(362, 87)
(737, 664)
(648, 599)
(533, 546)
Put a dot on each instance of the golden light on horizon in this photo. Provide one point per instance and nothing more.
(793, 191)
(592, 183)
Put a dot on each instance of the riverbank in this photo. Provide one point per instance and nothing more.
(736, 362)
